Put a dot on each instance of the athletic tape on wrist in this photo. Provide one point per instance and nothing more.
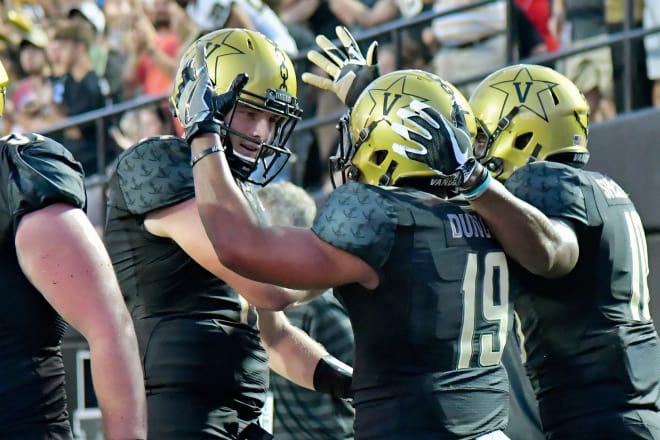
(479, 190)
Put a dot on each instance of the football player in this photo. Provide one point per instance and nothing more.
(424, 283)
(347, 72)
(206, 370)
(54, 269)
(593, 354)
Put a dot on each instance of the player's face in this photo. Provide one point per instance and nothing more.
(258, 125)
(480, 145)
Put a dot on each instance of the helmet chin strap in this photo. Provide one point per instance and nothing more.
(239, 169)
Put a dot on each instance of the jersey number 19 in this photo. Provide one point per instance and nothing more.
(480, 308)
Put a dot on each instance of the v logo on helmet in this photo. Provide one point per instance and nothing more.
(533, 92)
(522, 95)
(387, 105)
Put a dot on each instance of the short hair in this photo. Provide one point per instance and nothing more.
(288, 204)
(79, 32)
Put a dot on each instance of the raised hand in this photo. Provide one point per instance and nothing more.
(349, 70)
(446, 144)
(196, 104)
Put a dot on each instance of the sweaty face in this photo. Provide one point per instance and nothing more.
(256, 126)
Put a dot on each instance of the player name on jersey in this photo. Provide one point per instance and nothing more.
(610, 189)
(468, 226)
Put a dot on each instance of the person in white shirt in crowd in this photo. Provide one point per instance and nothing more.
(469, 43)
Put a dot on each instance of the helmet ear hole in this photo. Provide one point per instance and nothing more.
(378, 157)
(522, 141)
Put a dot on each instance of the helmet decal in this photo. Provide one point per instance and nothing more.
(529, 112)
(528, 93)
(221, 49)
(284, 69)
(385, 99)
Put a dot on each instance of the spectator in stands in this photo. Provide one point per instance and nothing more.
(539, 13)
(641, 88)
(368, 14)
(120, 17)
(149, 121)
(107, 60)
(209, 15)
(76, 89)
(316, 15)
(526, 40)
(579, 23)
(302, 414)
(257, 15)
(652, 46)
(410, 55)
(30, 97)
(462, 38)
(157, 49)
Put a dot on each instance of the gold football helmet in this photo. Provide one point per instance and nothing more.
(271, 87)
(526, 113)
(371, 151)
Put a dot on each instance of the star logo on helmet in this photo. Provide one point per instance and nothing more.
(222, 48)
(390, 95)
(525, 91)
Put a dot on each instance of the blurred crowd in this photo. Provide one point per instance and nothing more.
(70, 57)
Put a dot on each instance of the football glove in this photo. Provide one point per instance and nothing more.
(350, 71)
(197, 106)
(447, 144)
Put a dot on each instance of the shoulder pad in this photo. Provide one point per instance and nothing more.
(555, 189)
(359, 219)
(40, 172)
(155, 173)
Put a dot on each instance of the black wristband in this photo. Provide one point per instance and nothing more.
(331, 376)
(204, 153)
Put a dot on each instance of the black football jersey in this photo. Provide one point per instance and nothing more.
(589, 338)
(157, 277)
(36, 172)
(197, 336)
(432, 334)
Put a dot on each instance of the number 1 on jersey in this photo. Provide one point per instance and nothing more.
(639, 299)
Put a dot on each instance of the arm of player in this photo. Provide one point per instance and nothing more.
(293, 354)
(64, 258)
(257, 252)
(182, 224)
(541, 245)
(544, 246)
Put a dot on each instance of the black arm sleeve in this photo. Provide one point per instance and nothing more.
(333, 377)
